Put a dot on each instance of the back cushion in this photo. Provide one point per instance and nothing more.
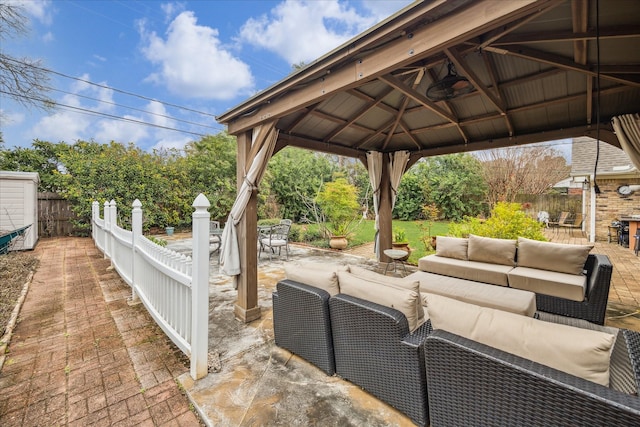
(363, 273)
(452, 247)
(580, 352)
(402, 299)
(320, 275)
(558, 257)
(493, 251)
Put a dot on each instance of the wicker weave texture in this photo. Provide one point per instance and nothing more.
(301, 323)
(594, 306)
(471, 384)
(373, 349)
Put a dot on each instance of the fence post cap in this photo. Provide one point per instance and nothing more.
(136, 203)
(113, 202)
(201, 202)
(95, 203)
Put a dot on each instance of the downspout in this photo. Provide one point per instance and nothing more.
(592, 213)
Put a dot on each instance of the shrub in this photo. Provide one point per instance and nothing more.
(506, 221)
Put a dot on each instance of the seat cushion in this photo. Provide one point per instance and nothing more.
(495, 274)
(493, 251)
(562, 285)
(452, 247)
(550, 256)
(407, 301)
(580, 352)
(513, 300)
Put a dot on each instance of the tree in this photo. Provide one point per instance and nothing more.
(339, 203)
(21, 79)
(521, 170)
(294, 176)
(43, 158)
(455, 185)
(412, 195)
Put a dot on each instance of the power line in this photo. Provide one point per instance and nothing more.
(101, 114)
(135, 109)
(110, 88)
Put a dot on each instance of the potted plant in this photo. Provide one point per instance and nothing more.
(400, 242)
(338, 202)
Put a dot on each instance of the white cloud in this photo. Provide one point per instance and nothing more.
(39, 9)
(11, 119)
(48, 37)
(193, 63)
(305, 30)
(61, 126)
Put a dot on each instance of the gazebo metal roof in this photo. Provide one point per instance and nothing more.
(539, 71)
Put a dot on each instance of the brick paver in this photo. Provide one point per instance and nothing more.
(80, 355)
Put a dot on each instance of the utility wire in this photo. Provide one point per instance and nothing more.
(101, 114)
(110, 88)
(134, 108)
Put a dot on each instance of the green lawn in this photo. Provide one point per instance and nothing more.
(415, 230)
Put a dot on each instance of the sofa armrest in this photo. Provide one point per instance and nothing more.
(374, 350)
(473, 384)
(301, 323)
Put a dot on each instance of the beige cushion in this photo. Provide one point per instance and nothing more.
(562, 285)
(364, 273)
(580, 352)
(452, 247)
(402, 299)
(493, 251)
(495, 274)
(498, 297)
(558, 257)
(316, 274)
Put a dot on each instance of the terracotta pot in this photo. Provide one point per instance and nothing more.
(404, 247)
(338, 242)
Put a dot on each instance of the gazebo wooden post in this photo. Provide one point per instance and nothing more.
(247, 308)
(384, 210)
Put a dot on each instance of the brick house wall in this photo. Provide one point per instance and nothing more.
(610, 206)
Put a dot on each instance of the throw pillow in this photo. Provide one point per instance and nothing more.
(410, 284)
(402, 299)
(320, 275)
(452, 247)
(493, 251)
(559, 257)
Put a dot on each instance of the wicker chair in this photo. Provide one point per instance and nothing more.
(594, 306)
(374, 350)
(474, 384)
(301, 323)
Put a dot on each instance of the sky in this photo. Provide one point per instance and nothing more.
(157, 73)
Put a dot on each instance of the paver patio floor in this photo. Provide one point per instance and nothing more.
(80, 355)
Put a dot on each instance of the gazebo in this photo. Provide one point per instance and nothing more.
(440, 77)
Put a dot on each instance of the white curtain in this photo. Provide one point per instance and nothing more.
(374, 162)
(398, 164)
(627, 128)
(263, 141)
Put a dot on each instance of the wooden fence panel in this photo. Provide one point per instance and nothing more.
(54, 215)
(552, 203)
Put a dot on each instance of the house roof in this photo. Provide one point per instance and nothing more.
(539, 69)
(611, 160)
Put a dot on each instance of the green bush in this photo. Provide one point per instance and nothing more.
(506, 221)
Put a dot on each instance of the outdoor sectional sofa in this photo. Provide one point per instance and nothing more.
(368, 327)
(566, 279)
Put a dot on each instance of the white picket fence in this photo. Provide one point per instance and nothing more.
(174, 288)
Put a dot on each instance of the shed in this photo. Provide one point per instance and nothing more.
(19, 206)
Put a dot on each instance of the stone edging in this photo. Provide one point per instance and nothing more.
(6, 338)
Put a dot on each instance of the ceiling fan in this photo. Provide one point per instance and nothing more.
(449, 86)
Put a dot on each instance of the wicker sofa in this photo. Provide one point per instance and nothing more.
(566, 279)
(357, 335)
(473, 383)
